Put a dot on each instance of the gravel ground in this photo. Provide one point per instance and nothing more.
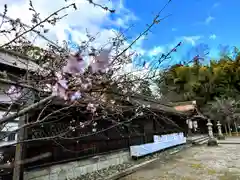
(101, 174)
(196, 163)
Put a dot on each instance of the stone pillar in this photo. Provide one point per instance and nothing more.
(220, 134)
(212, 141)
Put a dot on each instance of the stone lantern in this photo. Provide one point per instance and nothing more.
(190, 127)
(220, 134)
(195, 125)
(212, 141)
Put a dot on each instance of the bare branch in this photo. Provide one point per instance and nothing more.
(38, 24)
(25, 110)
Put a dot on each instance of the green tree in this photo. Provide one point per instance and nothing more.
(203, 82)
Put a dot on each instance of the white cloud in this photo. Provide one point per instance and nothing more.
(94, 19)
(174, 29)
(213, 36)
(191, 39)
(216, 4)
(156, 51)
(206, 21)
(209, 19)
(137, 47)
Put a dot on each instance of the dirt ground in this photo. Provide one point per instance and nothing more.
(196, 163)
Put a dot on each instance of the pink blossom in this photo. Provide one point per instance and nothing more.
(75, 96)
(63, 83)
(75, 64)
(58, 75)
(86, 86)
(14, 92)
(60, 89)
(101, 62)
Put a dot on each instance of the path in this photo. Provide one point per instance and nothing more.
(196, 163)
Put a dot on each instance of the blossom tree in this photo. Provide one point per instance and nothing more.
(93, 77)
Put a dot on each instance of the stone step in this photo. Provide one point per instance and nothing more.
(195, 138)
(201, 140)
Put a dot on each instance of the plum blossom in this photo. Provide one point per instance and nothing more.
(101, 62)
(91, 107)
(82, 125)
(14, 92)
(63, 83)
(75, 64)
(60, 89)
(139, 114)
(86, 86)
(75, 96)
(73, 71)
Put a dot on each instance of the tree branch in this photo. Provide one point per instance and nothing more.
(38, 24)
(25, 110)
(6, 81)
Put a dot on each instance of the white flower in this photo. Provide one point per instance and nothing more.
(112, 101)
(91, 107)
(77, 95)
(81, 125)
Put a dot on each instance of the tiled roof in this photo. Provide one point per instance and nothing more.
(17, 60)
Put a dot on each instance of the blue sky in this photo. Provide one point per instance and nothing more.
(212, 22)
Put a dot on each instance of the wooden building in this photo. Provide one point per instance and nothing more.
(116, 133)
(14, 66)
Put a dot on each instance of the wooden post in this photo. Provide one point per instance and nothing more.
(19, 152)
(28, 99)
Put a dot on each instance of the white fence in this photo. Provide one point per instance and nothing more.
(160, 143)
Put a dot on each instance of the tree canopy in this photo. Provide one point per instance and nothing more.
(202, 82)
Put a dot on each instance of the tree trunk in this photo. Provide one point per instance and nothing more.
(225, 127)
(236, 128)
(229, 129)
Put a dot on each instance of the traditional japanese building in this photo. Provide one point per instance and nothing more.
(13, 66)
